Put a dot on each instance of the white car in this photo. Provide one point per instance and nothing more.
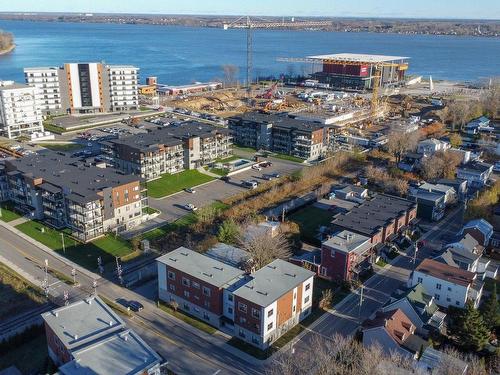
(190, 207)
(189, 190)
(257, 167)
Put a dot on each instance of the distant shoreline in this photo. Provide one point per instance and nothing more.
(8, 50)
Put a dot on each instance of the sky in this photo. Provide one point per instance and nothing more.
(469, 9)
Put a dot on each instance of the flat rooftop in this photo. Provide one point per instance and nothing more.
(11, 85)
(81, 181)
(349, 242)
(272, 281)
(82, 322)
(281, 121)
(197, 265)
(120, 353)
(357, 57)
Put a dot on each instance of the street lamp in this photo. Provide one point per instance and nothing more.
(73, 273)
(62, 240)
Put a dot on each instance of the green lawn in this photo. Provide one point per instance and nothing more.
(53, 128)
(288, 157)
(17, 294)
(245, 149)
(149, 211)
(8, 213)
(219, 171)
(84, 254)
(189, 319)
(173, 183)
(227, 159)
(309, 220)
(63, 147)
(381, 263)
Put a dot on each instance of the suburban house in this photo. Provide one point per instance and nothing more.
(393, 332)
(411, 161)
(450, 195)
(481, 124)
(480, 229)
(381, 218)
(460, 186)
(432, 359)
(345, 256)
(257, 308)
(450, 286)
(88, 337)
(476, 173)
(351, 193)
(431, 205)
(430, 146)
(419, 307)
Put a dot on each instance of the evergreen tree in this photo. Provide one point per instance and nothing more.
(228, 232)
(490, 309)
(473, 334)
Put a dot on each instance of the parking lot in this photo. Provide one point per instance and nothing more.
(172, 208)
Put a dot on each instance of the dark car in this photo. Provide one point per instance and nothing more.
(225, 178)
(135, 306)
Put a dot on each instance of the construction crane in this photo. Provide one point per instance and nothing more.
(377, 73)
(245, 22)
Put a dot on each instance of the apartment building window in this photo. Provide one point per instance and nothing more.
(255, 340)
(323, 271)
(457, 303)
(172, 287)
(419, 280)
(255, 313)
(185, 282)
(242, 307)
(308, 286)
(195, 285)
(448, 299)
(438, 286)
(306, 299)
(205, 316)
(206, 291)
(186, 294)
(449, 289)
(171, 275)
(241, 333)
(207, 304)
(243, 320)
(437, 297)
(229, 310)
(230, 297)
(270, 313)
(186, 307)
(270, 326)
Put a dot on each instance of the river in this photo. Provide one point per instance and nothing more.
(179, 55)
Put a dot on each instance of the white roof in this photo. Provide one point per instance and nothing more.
(357, 57)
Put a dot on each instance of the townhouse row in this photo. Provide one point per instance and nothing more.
(257, 308)
(281, 134)
(88, 198)
(172, 149)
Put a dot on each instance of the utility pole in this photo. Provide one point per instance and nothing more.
(45, 282)
(360, 300)
(66, 298)
(119, 271)
(62, 240)
(415, 253)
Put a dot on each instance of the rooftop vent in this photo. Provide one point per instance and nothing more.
(290, 274)
(185, 254)
(263, 293)
(219, 268)
(208, 274)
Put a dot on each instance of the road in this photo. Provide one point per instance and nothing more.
(349, 314)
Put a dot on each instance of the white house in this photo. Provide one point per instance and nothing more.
(480, 124)
(477, 174)
(449, 285)
(430, 146)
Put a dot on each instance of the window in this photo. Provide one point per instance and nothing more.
(172, 287)
(449, 289)
(243, 320)
(230, 310)
(205, 316)
(186, 294)
(438, 286)
(437, 296)
(332, 253)
(255, 340)
(186, 307)
(306, 299)
(241, 333)
(242, 307)
(270, 313)
(270, 326)
(206, 291)
(256, 313)
(294, 308)
(457, 303)
(171, 275)
(308, 286)
(195, 285)
(448, 299)
(230, 297)
(185, 282)
(323, 271)
(207, 304)
(419, 280)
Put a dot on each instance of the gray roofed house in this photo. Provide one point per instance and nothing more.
(230, 255)
(271, 282)
(123, 353)
(347, 242)
(204, 268)
(480, 225)
(82, 322)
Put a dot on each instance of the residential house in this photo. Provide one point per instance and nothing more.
(393, 332)
(411, 162)
(450, 286)
(230, 255)
(88, 337)
(450, 195)
(477, 173)
(478, 125)
(430, 146)
(480, 229)
(432, 361)
(346, 256)
(381, 218)
(419, 307)
(351, 193)
(431, 205)
(460, 186)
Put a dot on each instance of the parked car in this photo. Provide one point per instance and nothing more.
(250, 184)
(257, 167)
(135, 306)
(190, 207)
(275, 175)
(266, 164)
(268, 177)
(189, 190)
(225, 178)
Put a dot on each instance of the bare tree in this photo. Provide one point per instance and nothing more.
(441, 164)
(491, 99)
(398, 143)
(230, 74)
(264, 248)
(455, 140)
(174, 305)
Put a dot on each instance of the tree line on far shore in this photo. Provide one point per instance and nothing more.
(6, 40)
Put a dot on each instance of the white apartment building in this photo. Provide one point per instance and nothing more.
(19, 111)
(48, 93)
(450, 286)
(123, 87)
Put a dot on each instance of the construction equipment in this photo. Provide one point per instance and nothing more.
(377, 74)
(245, 22)
(269, 93)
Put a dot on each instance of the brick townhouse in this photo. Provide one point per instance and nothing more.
(257, 308)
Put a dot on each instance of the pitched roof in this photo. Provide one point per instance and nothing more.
(197, 265)
(480, 224)
(422, 302)
(446, 272)
(395, 322)
(467, 247)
